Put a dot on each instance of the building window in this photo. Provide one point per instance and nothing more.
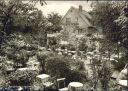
(68, 20)
(76, 19)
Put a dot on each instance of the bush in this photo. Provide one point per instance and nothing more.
(71, 47)
(22, 78)
(80, 65)
(4, 65)
(3, 72)
(57, 66)
(77, 76)
(60, 66)
(83, 47)
(3, 82)
(63, 47)
(21, 58)
(32, 47)
(42, 60)
(52, 41)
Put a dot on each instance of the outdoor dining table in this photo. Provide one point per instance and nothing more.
(63, 89)
(123, 84)
(75, 86)
(45, 80)
(43, 77)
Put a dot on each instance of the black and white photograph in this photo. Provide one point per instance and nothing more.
(63, 45)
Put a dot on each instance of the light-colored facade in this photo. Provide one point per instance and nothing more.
(75, 18)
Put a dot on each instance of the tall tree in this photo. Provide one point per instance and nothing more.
(54, 19)
(122, 21)
(16, 15)
(111, 18)
(104, 14)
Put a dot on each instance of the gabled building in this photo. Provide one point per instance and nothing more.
(76, 20)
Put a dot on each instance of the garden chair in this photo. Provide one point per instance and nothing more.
(51, 83)
(58, 84)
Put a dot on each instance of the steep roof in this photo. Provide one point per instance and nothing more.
(84, 15)
(123, 77)
(123, 74)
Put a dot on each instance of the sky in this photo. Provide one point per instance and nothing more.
(62, 7)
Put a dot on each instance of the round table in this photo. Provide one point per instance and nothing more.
(75, 86)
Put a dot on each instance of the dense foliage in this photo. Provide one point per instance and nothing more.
(54, 19)
(61, 66)
(22, 78)
(23, 36)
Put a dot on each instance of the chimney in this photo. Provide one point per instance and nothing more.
(80, 8)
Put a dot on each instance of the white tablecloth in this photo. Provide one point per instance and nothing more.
(123, 83)
(75, 86)
(43, 78)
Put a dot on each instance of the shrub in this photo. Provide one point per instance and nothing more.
(42, 56)
(22, 78)
(32, 47)
(63, 47)
(3, 82)
(21, 58)
(57, 66)
(80, 65)
(71, 47)
(77, 76)
(60, 66)
(82, 47)
(5, 64)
